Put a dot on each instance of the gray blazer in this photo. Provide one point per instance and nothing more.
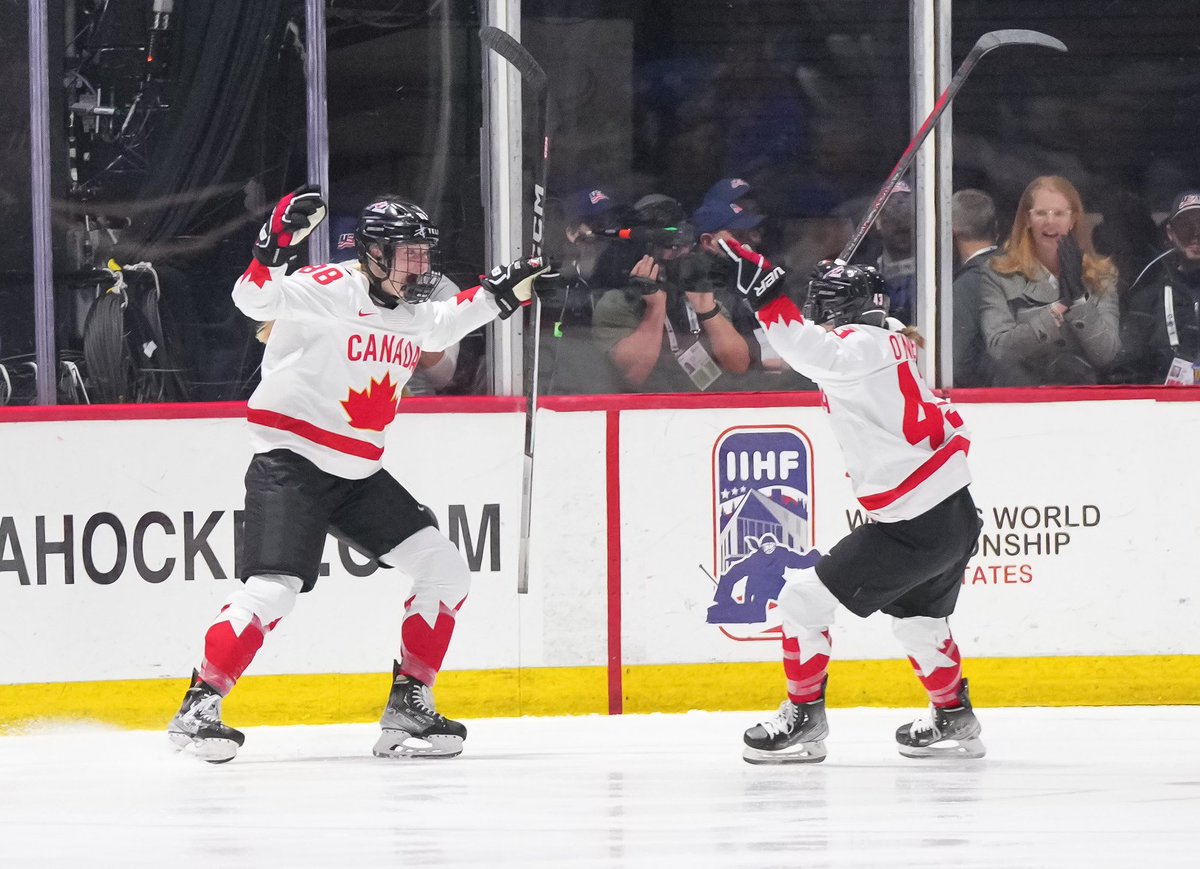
(1029, 348)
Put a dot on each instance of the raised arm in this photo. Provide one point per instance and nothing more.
(261, 292)
(813, 350)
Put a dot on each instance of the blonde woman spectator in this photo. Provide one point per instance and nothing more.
(1049, 310)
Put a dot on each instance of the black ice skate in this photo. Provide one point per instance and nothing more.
(411, 725)
(952, 732)
(198, 724)
(796, 735)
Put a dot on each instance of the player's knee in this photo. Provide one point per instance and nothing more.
(918, 632)
(270, 597)
(434, 563)
(805, 601)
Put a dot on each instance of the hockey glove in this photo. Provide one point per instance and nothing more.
(291, 221)
(758, 282)
(512, 285)
(1070, 270)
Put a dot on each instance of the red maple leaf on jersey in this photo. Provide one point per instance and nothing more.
(466, 295)
(374, 407)
(780, 310)
(257, 274)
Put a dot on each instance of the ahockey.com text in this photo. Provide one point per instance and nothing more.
(156, 547)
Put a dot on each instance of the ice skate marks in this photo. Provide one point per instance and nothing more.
(762, 525)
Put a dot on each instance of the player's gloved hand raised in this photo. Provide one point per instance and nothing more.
(1070, 270)
(292, 220)
(512, 285)
(757, 281)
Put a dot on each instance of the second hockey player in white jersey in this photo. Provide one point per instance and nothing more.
(906, 455)
(346, 338)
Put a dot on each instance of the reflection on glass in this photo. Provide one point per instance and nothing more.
(173, 134)
(1115, 118)
(775, 128)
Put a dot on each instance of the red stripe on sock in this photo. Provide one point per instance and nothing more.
(943, 683)
(804, 679)
(423, 648)
(227, 655)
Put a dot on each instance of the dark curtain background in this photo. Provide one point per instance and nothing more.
(225, 54)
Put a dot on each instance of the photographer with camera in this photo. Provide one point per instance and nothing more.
(665, 331)
(570, 364)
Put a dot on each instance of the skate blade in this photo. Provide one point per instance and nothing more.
(805, 752)
(972, 748)
(210, 750)
(398, 744)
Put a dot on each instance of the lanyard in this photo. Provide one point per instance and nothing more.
(1169, 311)
(671, 341)
(693, 324)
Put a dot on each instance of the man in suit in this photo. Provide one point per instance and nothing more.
(974, 228)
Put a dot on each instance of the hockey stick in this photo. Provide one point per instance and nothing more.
(534, 77)
(987, 42)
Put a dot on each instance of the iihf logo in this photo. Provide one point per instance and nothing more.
(762, 525)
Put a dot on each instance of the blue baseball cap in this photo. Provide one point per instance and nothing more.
(728, 190)
(589, 202)
(1188, 200)
(715, 216)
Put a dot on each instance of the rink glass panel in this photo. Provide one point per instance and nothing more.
(1116, 116)
(807, 101)
(170, 141)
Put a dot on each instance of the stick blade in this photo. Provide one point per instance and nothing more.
(516, 54)
(998, 38)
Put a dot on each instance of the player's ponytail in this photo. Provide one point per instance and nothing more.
(911, 333)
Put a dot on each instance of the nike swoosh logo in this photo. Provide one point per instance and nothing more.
(367, 314)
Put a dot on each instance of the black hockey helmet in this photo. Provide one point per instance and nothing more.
(840, 294)
(391, 222)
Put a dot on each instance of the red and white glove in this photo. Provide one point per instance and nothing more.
(758, 282)
(291, 221)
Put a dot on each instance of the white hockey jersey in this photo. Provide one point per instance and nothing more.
(905, 448)
(336, 362)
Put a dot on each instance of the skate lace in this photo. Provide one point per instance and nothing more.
(925, 725)
(207, 709)
(422, 698)
(783, 720)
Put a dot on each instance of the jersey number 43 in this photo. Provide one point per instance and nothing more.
(923, 420)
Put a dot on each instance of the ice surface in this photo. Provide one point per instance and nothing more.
(1059, 787)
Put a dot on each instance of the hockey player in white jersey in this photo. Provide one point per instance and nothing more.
(906, 455)
(346, 338)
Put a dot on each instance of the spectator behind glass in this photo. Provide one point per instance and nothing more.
(661, 336)
(1160, 336)
(435, 369)
(974, 227)
(733, 190)
(570, 363)
(1048, 302)
(585, 212)
(897, 264)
